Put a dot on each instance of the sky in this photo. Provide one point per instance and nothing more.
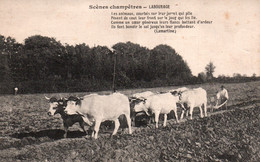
(231, 42)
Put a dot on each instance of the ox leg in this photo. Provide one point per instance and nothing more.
(212, 108)
(205, 109)
(165, 120)
(82, 127)
(156, 117)
(96, 129)
(66, 131)
(133, 121)
(182, 111)
(201, 111)
(149, 119)
(191, 111)
(152, 119)
(93, 134)
(117, 124)
(176, 116)
(187, 112)
(128, 119)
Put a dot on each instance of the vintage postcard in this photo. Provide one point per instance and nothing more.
(132, 80)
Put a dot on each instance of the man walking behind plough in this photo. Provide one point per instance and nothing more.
(222, 96)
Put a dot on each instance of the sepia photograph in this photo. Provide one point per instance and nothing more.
(110, 80)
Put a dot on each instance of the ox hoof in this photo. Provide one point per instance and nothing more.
(87, 137)
(92, 137)
(112, 136)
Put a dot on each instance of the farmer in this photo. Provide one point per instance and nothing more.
(222, 96)
(15, 91)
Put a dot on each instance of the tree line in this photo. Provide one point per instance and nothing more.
(43, 64)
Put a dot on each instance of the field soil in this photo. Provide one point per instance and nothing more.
(27, 133)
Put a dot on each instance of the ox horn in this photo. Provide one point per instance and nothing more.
(142, 98)
(47, 98)
(132, 98)
(80, 98)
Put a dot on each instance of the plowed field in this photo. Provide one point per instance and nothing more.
(28, 133)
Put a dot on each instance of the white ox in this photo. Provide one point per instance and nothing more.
(143, 94)
(135, 101)
(179, 89)
(102, 108)
(159, 104)
(139, 97)
(194, 98)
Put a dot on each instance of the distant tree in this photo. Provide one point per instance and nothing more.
(166, 63)
(43, 62)
(237, 75)
(8, 45)
(8, 48)
(100, 63)
(210, 69)
(80, 60)
(221, 76)
(254, 77)
(202, 77)
(132, 62)
(46, 58)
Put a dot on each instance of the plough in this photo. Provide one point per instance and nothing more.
(212, 103)
(216, 107)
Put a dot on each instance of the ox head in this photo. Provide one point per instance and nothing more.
(138, 105)
(177, 93)
(56, 106)
(73, 104)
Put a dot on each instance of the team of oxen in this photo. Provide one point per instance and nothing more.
(94, 109)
